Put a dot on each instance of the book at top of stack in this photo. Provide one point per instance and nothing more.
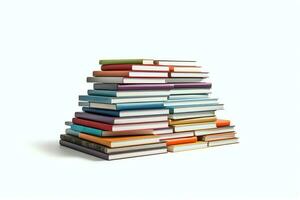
(139, 107)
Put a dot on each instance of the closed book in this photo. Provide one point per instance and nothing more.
(176, 62)
(183, 80)
(198, 108)
(176, 135)
(188, 74)
(127, 113)
(121, 141)
(131, 93)
(192, 115)
(223, 142)
(119, 127)
(121, 87)
(223, 122)
(129, 74)
(120, 120)
(181, 140)
(137, 67)
(190, 102)
(218, 136)
(214, 130)
(106, 99)
(126, 61)
(162, 131)
(112, 156)
(192, 85)
(107, 150)
(187, 96)
(124, 80)
(188, 146)
(192, 127)
(123, 106)
(193, 120)
(182, 91)
(185, 69)
(101, 133)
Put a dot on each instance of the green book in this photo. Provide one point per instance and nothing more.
(127, 61)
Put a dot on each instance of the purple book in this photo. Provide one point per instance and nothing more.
(104, 86)
(192, 85)
(95, 117)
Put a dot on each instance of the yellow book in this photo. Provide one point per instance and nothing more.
(193, 120)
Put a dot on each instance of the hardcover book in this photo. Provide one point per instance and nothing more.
(126, 61)
(120, 87)
(131, 93)
(110, 100)
(187, 147)
(131, 67)
(124, 80)
(123, 106)
(129, 74)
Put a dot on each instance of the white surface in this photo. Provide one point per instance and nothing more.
(251, 49)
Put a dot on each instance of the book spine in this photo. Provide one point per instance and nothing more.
(108, 93)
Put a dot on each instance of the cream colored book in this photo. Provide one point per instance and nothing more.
(186, 147)
(223, 142)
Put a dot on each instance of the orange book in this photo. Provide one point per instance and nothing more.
(181, 140)
(129, 74)
(222, 122)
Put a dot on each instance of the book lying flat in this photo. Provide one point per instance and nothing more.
(176, 62)
(123, 141)
(189, 91)
(180, 140)
(193, 120)
(223, 122)
(192, 115)
(76, 130)
(190, 96)
(126, 61)
(190, 102)
(218, 136)
(120, 120)
(123, 106)
(185, 69)
(119, 127)
(127, 113)
(176, 135)
(112, 156)
(162, 131)
(192, 85)
(188, 74)
(223, 142)
(107, 150)
(105, 99)
(132, 67)
(187, 147)
(107, 86)
(131, 93)
(214, 130)
(183, 80)
(124, 80)
(198, 108)
(192, 127)
(129, 74)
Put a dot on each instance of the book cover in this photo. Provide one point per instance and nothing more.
(126, 61)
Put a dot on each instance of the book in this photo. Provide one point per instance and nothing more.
(214, 130)
(190, 102)
(112, 156)
(218, 136)
(101, 133)
(107, 150)
(189, 96)
(124, 80)
(180, 140)
(223, 142)
(127, 113)
(183, 80)
(130, 93)
(106, 99)
(193, 120)
(162, 131)
(192, 85)
(192, 115)
(126, 61)
(188, 74)
(223, 122)
(192, 127)
(119, 127)
(132, 67)
(189, 91)
(176, 135)
(123, 106)
(176, 62)
(122, 141)
(129, 74)
(187, 147)
(119, 87)
(185, 69)
(120, 120)
(198, 108)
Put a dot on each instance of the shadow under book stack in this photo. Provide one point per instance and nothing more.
(143, 107)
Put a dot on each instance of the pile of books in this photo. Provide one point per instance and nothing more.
(143, 107)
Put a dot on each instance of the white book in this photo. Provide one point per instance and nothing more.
(186, 147)
(132, 113)
(181, 97)
(223, 142)
(197, 108)
(183, 80)
(188, 74)
(148, 74)
(136, 153)
(214, 130)
(162, 131)
(192, 115)
(189, 91)
(188, 103)
(176, 135)
(187, 69)
(148, 125)
(176, 62)
(124, 80)
(195, 126)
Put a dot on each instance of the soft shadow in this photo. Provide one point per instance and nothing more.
(53, 148)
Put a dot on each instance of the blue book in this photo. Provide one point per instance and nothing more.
(85, 129)
(109, 93)
(99, 99)
(102, 111)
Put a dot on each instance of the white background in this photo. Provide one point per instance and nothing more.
(251, 48)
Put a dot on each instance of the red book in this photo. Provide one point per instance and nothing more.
(130, 74)
(128, 67)
(181, 140)
(222, 123)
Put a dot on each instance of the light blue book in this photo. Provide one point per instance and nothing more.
(109, 93)
(99, 99)
(88, 130)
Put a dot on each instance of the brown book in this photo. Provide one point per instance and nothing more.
(193, 120)
(219, 136)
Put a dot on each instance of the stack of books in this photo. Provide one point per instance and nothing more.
(143, 107)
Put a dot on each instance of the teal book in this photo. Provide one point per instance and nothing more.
(88, 130)
(126, 61)
(97, 99)
(131, 93)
